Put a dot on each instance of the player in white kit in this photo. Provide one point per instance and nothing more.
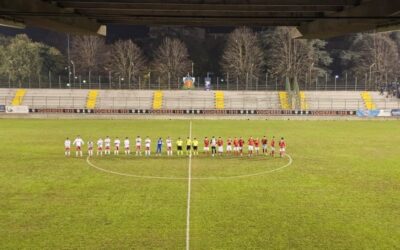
(138, 146)
(169, 146)
(147, 146)
(127, 146)
(107, 144)
(67, 147)
(229, 146)
(90, 148)
(117, 143)
(100, 147)
(78, 142)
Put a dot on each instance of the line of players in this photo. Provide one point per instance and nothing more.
(233, 146)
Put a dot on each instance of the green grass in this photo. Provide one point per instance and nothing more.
(341, 192)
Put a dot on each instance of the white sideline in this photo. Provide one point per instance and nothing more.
(188, 195)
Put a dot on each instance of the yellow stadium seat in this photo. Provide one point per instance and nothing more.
(368, 102)
(158, 99)
(19, 97)
(283, 97)
(91, 99)
(219, 100)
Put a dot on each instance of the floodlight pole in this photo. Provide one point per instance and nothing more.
(90, 80)
(227, 81)
(73, 70)
(370, 74)
(169, 80)
(69, 60)
(311, 67)
(326, 82)
(149, 79)
(109, 79)
(336, 77)
(355, 86)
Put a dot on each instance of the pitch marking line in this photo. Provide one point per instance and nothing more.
(193, 178)
(189, 192)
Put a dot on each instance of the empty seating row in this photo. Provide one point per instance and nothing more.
(348, 100)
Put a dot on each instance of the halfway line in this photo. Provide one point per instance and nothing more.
(188, 195)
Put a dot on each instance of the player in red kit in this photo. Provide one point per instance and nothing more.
(282, 147)
(206, 146)
(250, 146)
(273, 146)
(264, 143)
(220, 144)
(236, 146)
(241, 145)
(257, 146)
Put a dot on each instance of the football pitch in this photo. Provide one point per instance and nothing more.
(338, 188)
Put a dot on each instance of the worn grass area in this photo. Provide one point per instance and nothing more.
(341, 192)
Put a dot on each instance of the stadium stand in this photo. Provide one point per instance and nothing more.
(194, 99)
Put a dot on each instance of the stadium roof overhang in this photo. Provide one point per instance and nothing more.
(314, 18)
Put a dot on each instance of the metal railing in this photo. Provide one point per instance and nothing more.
(266, 82)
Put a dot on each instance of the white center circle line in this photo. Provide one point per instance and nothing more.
(193, 178)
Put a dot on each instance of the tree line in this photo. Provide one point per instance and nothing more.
(245, 55)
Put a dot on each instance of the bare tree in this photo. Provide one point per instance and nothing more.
(89, 54)
(373, 57)
(243, 58)
(171, 60)
(294, 58)
(127, 60)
